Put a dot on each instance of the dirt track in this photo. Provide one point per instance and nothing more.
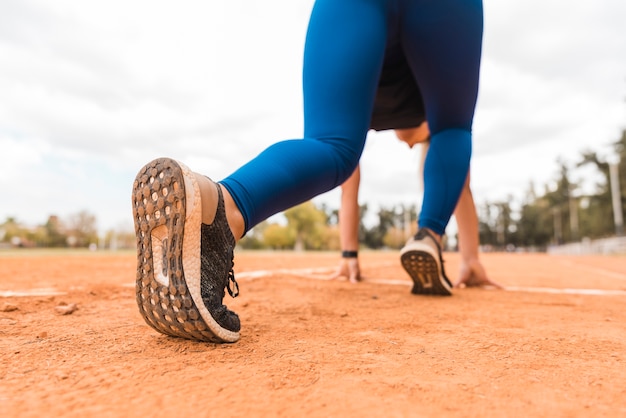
(552, 345)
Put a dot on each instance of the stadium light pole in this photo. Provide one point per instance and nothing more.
(615, 194)
(558, 231)
(573, 214)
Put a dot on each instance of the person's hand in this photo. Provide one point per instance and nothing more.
(473, 274)
(348, 268)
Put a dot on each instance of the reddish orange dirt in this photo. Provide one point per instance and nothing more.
(552, 345)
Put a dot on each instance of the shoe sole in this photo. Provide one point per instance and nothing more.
(425, 271)
(167, 213)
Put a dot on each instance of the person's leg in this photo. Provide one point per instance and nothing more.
(184, 222)
(443, 43)
(343, 55)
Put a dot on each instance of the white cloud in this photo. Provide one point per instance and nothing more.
(93, 90)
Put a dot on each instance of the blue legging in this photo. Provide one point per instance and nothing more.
(343, 56)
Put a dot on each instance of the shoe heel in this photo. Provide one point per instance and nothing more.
(162, 294)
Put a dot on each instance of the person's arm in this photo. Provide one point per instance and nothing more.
(349, 228)
(467, 221)
(472, 271)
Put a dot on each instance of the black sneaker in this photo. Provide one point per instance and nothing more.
(421, 258)
(183, 265)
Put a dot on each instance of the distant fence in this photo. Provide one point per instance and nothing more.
(615, 245)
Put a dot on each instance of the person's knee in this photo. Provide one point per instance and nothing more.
(346, 155)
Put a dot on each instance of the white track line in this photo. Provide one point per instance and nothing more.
(595, 270)
(325, 274)
(315, 274)
(595, 292)
(30, 292)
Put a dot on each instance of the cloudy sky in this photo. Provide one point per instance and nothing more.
(92, 90)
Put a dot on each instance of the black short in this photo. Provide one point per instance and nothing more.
(398, 103)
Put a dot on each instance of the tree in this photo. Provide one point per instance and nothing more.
(54, 232)
(279, 237)
(374, 237)
(82, 229)
(394, 238)
(255, 239)
(9, 230)
(487, 224)
(309, 224)
(597, 220)
(534, 227)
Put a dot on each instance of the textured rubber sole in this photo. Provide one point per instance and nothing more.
(425, 273)
(165, 198)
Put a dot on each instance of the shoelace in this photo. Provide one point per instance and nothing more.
(231, 285)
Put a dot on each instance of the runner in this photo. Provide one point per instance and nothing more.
(399, 106)
(187, 225)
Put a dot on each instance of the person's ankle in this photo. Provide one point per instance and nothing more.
(209, 197)
(233, 215)
(208, 193)
(435, 235)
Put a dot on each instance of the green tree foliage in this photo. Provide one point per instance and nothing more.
(10, 231)
(254, 239)
(534, 228)
(279, 237)
(395, 238)
(79, 231)
(375, 236)
(308, 222)
(597, 219)
(561, 213)
(53, 233)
